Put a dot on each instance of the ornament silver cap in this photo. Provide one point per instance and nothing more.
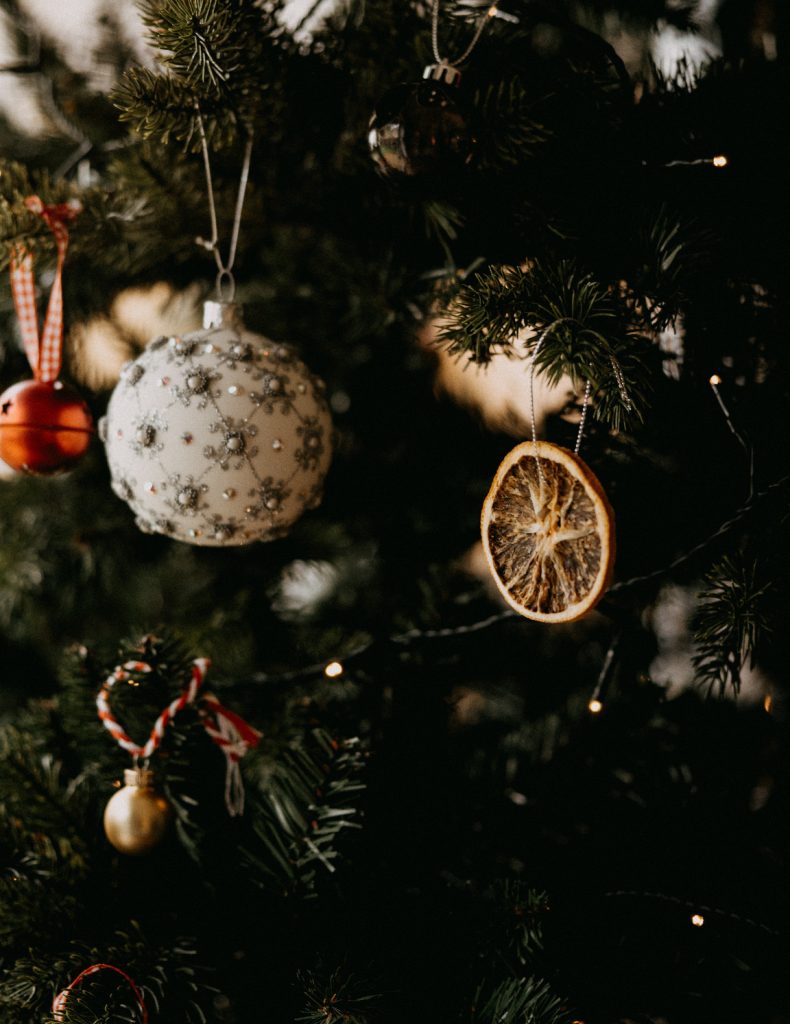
(222, 314)
(443, 73)
(143, 778)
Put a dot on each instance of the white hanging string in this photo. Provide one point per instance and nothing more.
(224, 270)
(482, 21)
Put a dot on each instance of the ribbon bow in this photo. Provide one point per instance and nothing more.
(45, 356)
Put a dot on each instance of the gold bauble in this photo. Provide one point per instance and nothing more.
(136, 817)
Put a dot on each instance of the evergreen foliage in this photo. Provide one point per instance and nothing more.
(728, 623)
(444, 832)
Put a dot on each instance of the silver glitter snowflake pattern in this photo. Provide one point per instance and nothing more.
(234, 445)
(196, 385)
(123, 489)
(132, 373)
(268, 500)
(220, 530)
(147, 433)
(312, 435)
(186, 495)
(239, 355)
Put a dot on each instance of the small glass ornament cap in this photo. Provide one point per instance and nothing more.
(218, 314)
(143, 778)
(442, 72)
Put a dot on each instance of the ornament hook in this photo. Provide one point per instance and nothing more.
(224, 275)
(225, 280)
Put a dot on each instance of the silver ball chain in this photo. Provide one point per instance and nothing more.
(618, 375)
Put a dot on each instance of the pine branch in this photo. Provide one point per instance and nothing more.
(729, 624)
(172, 984)
(644, 14)
(512, 126)
(303, 812)
(223, 57)
(337, 998)
(584, 328)
(208, 42)
(26, 903)
(522, 1001)
(17, 224)
(523, 911)
(32, 787)
(443, 221)
(158, 105)
(669, 255)
(145, 215)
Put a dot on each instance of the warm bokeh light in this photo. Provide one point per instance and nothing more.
(715, 380)
(720, 161)
(697, 920)
(333, 670)
(595, 706)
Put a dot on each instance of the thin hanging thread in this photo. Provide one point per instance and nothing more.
(224, 270)
(482, 21)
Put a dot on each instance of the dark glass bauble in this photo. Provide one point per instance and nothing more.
(420, 130)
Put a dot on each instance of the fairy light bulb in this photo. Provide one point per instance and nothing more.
(720, 160)
(333, 670)
(595, 706)
(715, 380)
(697, 920)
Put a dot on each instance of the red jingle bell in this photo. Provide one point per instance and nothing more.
(45, 427)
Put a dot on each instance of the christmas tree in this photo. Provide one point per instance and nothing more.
(289, 742)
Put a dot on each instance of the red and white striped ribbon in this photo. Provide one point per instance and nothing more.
(228, 730)
(45, 357)
(60, 1000)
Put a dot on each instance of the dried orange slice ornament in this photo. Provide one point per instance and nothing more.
(548, 533)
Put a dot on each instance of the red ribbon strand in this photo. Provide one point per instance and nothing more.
(228, 730)
(45, 355)
(60, 1000)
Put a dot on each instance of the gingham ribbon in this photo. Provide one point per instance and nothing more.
(60, 1000)
(229, 731)
(45, 356)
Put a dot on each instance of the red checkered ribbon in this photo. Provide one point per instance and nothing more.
(44, 356)
(231, 733)
(60, 1000)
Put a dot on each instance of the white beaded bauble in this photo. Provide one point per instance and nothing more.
(219, 437)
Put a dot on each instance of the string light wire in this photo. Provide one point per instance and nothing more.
(714, 382)
(415, 636)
